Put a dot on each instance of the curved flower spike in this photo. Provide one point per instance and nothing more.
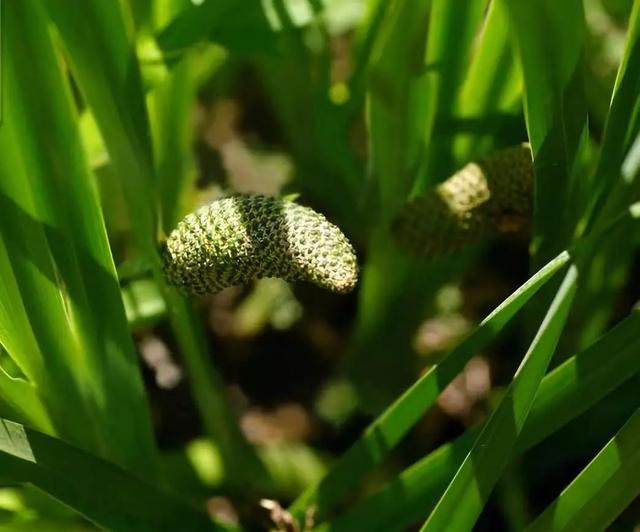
(236, 239)
(493, 195)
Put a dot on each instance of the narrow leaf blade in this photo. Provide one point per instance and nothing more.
(104, 493)
(467, 493)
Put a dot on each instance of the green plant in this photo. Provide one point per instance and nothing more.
(368, 110)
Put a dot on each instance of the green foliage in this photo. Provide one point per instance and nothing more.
(105, 493)
(466, 495)
(119, 118)
(603, 489)
(78, 376)
(394, 423)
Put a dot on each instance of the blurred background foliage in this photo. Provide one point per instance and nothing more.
(121, 117)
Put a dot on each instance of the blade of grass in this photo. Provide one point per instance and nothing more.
(621, 130)
(492, 89)
(614, 186)
(104, 64)
(397, 111)
(396, 100)
(464, 498)
(413, 73)
(549, 38)
(101, 491)
(298, 84)
(18, 342)
(171, 108)
(385, 433)
(356, 463)
(565, 393)
(365, 39)
(451, 34)
(56, 261)
(602, 490)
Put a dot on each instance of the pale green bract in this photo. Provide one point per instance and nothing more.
(236, 239)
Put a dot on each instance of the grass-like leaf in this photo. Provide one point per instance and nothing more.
(171, 110)
(549, 38)
(602, 490)
(614, 186)
(63, 321)
(448, 51)
(101, 491)
(565, 393)
(413, 73)
(467, 493)
(95, 34)
(490, 95)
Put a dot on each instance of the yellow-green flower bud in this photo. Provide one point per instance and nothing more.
(236, 239)
(493, 195)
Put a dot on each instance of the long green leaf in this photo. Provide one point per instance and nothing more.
(549, 37)
(602, 490)
(104, 64)
(414, 73)
(491, 91)
(101, 491)
(451, 34)
(615, 185)
(397, 99)
(464, 498)
(298, 83)
(63, 319)
(613, 188)
(564, 394)
(171, 109)
(385, 433)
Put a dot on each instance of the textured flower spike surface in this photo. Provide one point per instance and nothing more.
(488, 197)
(236, 239)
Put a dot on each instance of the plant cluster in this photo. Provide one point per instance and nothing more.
(319, 265)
